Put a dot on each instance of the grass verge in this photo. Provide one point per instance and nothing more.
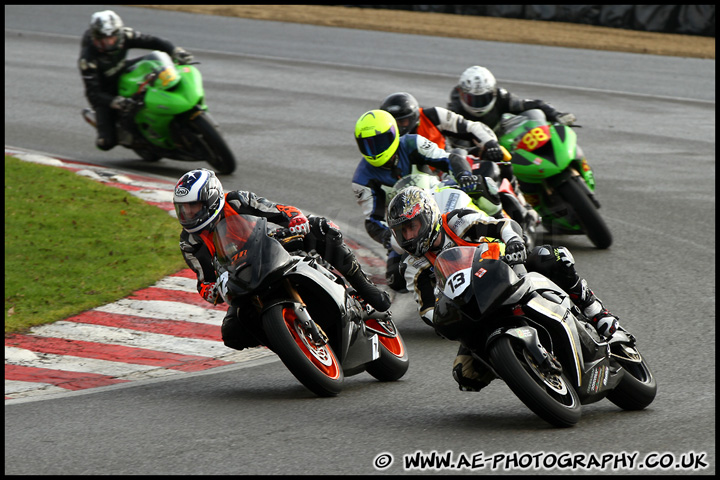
(72, 244)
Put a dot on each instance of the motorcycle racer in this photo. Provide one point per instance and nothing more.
(200, 203)
(477, 97)
(387, 157)
(423, 232)
(436, 123)
(103, 52)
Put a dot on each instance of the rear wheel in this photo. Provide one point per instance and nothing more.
(586, 212)
(314, 366)
(549, 394)
(393, 361)
(218, 154)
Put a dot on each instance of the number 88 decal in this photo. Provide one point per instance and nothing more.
(537, 137)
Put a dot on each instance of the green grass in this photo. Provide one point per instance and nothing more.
(72, 244)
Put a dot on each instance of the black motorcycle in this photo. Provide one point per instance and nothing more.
(296, 306)
(526, 329)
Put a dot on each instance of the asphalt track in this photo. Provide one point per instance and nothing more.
(287, 97)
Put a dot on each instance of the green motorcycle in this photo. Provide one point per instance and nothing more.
(171, 119)
(554, 175)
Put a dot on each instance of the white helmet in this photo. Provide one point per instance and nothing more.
(198, 199)
(106, 30)
(477, 90)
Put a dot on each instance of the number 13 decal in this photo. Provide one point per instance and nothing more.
(457, 283)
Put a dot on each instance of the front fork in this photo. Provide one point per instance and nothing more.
(309, 326)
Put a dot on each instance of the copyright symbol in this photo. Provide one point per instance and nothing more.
(383, 461)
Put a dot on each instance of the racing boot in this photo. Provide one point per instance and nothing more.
(378, 299)
(470, 374)
(604, 322)
(343, 259)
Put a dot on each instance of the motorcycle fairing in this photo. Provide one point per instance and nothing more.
(244, 250)
(166, 90)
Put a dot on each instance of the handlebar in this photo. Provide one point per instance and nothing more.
(283, 235)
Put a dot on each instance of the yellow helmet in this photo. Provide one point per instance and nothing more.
(377, 136)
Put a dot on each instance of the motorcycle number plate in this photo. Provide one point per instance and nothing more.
(457, 283)
(535, 138)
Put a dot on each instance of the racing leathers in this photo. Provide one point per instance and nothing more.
(100, 72)
(464, 227)
(413, 151)
(324, 237)
(506, 103)
(437, 123)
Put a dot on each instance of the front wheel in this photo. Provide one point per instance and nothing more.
(217, 152)
(637, 388)
(550, 395)
(315, 367)
(393, 361)
(586, 213)
(147, 155)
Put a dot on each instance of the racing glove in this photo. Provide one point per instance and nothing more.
(515, 253)
(181, 56)
(493, 152)
(565, 118)
(299, 225)
(468, 182)
(387, 240)
(211, 292)
(123, 104)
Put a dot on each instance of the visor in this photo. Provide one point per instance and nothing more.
(477, 101)
(105, 43)
(187, 213)
(377, 144)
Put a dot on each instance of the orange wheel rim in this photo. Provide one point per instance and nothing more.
(323, 358)
(392, 344)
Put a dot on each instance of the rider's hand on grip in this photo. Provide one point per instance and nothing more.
(182, 56)
(468, 182)
(299, 225)
(211, 292)
(566, 118)
(493, 152)
(515, 252)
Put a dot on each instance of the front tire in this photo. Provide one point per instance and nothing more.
(147, 155)
(315, 367)
(549, 395)
(637, 388)
(586, 213)
(219, 155)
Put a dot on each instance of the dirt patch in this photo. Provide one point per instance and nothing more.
(558, 34)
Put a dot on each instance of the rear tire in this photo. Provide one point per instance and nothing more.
(315, 367)
(393, 362)
(586, 213)
(219, 155)
(550, 396)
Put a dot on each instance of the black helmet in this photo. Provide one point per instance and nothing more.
(413, 204)
(106, 31)
(198, 199)
(405, 109)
